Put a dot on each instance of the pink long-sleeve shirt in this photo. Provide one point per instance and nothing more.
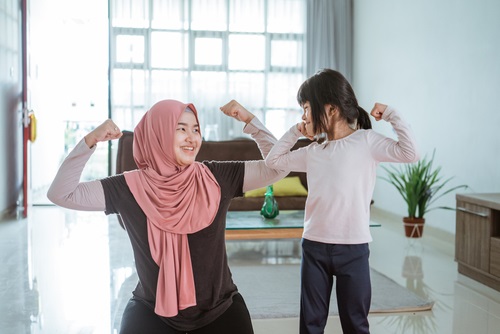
(341, 177)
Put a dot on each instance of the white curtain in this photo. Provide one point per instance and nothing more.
(329, 36)
(208, 52)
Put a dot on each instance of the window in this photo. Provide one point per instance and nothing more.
(208, 52)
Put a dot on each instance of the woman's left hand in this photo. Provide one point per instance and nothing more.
(237, 111)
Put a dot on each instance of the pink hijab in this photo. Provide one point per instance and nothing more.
(176, 200)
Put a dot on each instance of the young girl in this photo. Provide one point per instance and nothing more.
(341, 179)
(174, 211)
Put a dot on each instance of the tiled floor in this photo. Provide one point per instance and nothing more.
(61, 272)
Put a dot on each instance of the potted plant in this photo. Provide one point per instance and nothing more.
(420, 185)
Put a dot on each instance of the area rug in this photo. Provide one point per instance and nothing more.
(273, 291)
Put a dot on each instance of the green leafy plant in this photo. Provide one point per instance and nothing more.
(420, 185)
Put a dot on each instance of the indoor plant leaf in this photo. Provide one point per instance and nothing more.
(420, 184)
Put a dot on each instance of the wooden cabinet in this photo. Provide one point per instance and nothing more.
(495, 257)
(477, 238)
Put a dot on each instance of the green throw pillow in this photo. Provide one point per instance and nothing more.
(289, 186)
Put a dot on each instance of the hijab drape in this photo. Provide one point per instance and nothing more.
(177, 200)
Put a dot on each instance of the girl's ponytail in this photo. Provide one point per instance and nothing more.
(363, 121)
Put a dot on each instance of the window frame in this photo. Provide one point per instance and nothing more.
(192, 35)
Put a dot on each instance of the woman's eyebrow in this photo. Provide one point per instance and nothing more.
(185, 124)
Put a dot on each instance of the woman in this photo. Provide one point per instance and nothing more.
(341, 174)
(174, 210)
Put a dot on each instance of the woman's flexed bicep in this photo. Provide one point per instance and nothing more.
(258, 175)
(66, 189)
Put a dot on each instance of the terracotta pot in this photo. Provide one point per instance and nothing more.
(414, 227)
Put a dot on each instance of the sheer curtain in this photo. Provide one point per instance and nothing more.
(208, 52)
(329, 29)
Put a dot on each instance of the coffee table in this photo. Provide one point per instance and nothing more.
(245, 225)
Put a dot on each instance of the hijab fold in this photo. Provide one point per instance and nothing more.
(177, 201)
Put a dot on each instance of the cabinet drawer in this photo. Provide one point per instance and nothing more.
(473, 234)
(473, 209)
(495, 257)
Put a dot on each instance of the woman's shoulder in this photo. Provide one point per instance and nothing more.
(117, 193)
(226, 172)
(221, 168)
(114, 182)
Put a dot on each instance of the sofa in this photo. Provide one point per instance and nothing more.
(239, 149)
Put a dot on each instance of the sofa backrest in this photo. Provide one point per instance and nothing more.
(124, 158)
(229, 150)
(239, 149)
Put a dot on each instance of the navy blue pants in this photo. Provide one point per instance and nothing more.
(349, 264)
(138, 318)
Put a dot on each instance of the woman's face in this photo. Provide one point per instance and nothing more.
(187, 139)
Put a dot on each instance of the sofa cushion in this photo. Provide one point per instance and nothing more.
(289, 186)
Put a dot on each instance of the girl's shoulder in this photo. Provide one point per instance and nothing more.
(365, 132)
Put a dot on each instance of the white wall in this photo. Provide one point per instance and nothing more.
(438, 62)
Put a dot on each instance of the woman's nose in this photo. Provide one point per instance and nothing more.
(191, 136)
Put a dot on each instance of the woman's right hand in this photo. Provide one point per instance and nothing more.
(104, 132)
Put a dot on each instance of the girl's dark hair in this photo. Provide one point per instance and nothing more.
(328, 86)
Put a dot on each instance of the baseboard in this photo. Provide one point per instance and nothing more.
(9, 213)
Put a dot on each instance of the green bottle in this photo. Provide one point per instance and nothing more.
(270, 206)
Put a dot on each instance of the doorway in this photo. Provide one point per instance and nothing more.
(67, 86)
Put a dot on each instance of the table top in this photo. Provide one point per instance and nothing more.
(246, 220)
(489, 200)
